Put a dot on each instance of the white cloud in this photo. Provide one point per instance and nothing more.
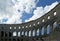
(40, 11)
(49, 7)
(37, 13)
(8, 9)
(26, 5)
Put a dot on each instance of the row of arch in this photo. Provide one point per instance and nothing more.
(36, 32)
(30, 33)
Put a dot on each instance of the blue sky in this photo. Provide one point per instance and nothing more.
(46, 2)
(20, 11)
(42, 3)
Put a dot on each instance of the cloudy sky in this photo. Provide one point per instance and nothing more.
(20, 11)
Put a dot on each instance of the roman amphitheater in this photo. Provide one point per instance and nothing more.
(45, 28)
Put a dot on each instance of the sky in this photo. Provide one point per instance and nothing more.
(21, 11)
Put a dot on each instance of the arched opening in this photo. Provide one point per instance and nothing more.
(26, 33)
(19, 27)
(54, 25)
(18, 34)
(43, 20)
(6, 34)
(33, 34)
(10, 34)
(42, 31)
(22, 33)
(14, 33)
(14, 27)
(23, 27)
(54, 13)
(48, 17)
(10, 27)
(2, 33)
(38, 32)
(48, 29)
(26, 26)
(29, 33)
(29, 25)
(38, 22)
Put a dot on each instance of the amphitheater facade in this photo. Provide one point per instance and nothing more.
(45, 28)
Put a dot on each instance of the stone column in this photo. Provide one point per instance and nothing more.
(51, 27)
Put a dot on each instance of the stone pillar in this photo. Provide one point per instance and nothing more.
(12, 34)
(31, 32)
(40, 28)
(36, 31)
(51, 27)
